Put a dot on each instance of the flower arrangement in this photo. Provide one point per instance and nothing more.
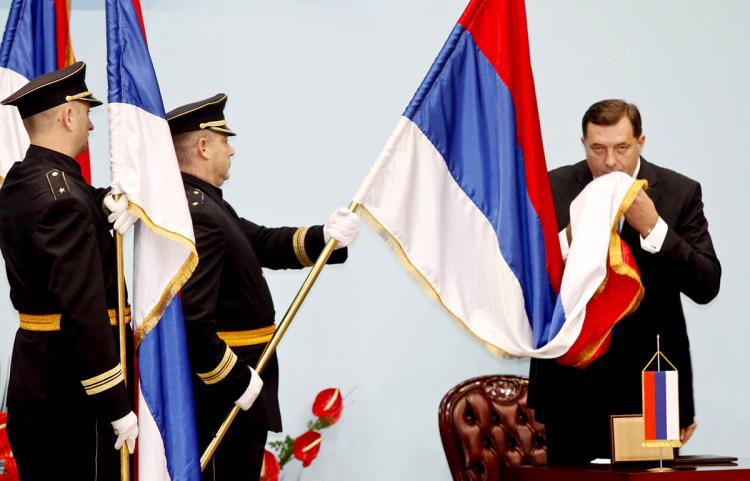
(327, 409)
(8, 471)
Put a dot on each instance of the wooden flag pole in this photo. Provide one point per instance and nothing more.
(274, 342)
(124, 454)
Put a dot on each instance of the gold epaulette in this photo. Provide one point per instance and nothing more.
(195, 196)
(58, 184)
(247, 338)
(51, 322)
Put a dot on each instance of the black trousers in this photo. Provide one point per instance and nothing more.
(56, 443)
(240, 454)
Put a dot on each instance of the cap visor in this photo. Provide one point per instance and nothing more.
(95, 102)
(223, 130)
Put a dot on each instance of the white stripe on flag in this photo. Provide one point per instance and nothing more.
(148, 173)
(14, 141)
(455, 249)
(673, 406)
(477, 286)
(152, 461)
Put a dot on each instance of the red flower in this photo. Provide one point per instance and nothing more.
(306, 447)
(271, 467)
(328, 405)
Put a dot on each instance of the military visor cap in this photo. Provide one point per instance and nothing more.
(52, 89)
(205, 114)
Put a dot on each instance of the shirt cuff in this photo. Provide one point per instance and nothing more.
(251, 393)
(655, 239)
(564, 247)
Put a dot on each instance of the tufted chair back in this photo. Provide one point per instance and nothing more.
(484, 424)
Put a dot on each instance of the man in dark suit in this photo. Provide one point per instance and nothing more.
(229, 313)
(668, 235)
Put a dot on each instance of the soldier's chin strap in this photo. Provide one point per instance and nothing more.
(270, 349)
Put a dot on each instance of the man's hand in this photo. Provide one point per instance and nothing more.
(126, 430)
(342, 225)
(642, 215)
(119, 213)
(685, 433)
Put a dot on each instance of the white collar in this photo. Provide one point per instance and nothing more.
(637, 168)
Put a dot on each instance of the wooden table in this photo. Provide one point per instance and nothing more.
(739, 471)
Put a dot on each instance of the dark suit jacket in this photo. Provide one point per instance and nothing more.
(575, 404)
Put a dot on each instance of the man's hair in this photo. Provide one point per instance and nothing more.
(184, 144)
(43, 121)
(609, 112)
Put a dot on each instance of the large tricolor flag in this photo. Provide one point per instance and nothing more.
(461, 193)
(144, 167)
(36, 41)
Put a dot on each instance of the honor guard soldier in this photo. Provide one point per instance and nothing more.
(67, 400)
(229, 314)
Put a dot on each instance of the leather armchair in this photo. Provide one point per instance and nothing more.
(485, 424)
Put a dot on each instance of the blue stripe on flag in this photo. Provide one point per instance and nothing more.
(468, 114)
(132, 78)
(29, 42)
(660, 393)
(167, 389)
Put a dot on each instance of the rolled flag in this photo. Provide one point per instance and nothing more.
(461, 193)
(144, 167)
(601, 271)
(36, 41)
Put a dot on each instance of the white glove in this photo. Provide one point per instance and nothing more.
(126, 430)
(342, 225)
(119, 213)
(251, 393)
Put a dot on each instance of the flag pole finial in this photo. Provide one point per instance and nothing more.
(658, 352)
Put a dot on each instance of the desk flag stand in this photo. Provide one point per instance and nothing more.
(661, 407)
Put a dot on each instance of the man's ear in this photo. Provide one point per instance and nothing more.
(66, 117)
(202, 146)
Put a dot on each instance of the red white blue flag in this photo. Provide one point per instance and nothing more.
(661, 409)
(462, 194)
(144, 167)
(36, 41)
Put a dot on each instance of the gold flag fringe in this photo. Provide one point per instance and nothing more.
(177, 281)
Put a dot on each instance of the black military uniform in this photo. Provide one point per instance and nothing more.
(228, 310)
(66, 381)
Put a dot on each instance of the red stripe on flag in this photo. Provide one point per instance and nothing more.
(619, 295)
(649, 404)
(499, 29)
(84, 160)
(139, 13)
(62, 32)
(65, 57)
